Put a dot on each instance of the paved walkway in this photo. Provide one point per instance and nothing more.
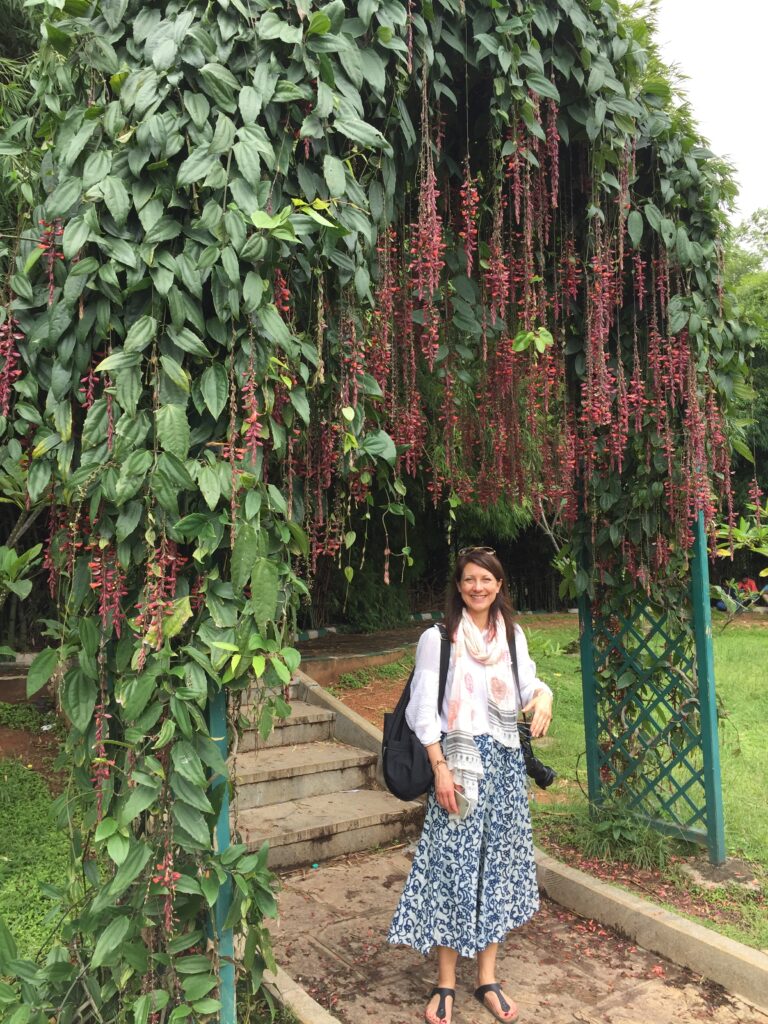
(331, 938)
(344, 644)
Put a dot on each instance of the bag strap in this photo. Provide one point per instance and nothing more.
(515, 674)
(445, 657)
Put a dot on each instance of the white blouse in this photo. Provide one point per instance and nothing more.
(421, 713)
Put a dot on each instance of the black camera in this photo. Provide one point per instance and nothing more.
(541, 773)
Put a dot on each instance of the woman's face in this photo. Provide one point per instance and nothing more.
(478, 588)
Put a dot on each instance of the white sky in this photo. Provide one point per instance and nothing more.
(722, 48)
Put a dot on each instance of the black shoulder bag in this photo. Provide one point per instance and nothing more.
(541, 773)
(407, 771)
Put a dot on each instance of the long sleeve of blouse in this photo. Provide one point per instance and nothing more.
(422, 715)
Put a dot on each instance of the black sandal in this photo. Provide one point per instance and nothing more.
(441, 1007)
(482, 992)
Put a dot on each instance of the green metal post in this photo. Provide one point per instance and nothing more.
(702, 620)
(589, 691)
(218, 726)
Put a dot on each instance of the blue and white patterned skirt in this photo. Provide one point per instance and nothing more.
(472, 881)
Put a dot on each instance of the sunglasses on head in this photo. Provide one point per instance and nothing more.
(468, 551)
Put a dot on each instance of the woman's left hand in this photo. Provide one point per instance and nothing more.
(541, 709)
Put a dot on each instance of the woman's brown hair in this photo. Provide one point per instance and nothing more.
(454, 605)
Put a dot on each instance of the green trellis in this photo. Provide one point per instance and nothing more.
(650, 713)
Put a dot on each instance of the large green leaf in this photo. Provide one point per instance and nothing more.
(244, 554)
(543, 86)
(140, 333)
(193, 823)
(134, 693)
(335, 176)
(8, 948)
(200, 162)
(42, 668)
(210, 486)
(635, 227)
(138, 855)
(272, 26)
(177, 615)
(187, 763)
(132, 475)
(78, 699)
(63, 197)
(76, 234)
(381, 445)
(265, 581)
(360, 131)
(175, 372)
(116, 198)
(190, 793)
(274, 326)
(119, 360)
(214, 388)
(188, 341)
(173, 429)
(109, 943)
(139, 798)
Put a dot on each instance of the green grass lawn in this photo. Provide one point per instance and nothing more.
(33, 852)
(741, 676)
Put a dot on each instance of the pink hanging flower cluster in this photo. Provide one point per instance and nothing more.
(88, 390)
(162, 572)
(108, 582)
(553, 152)
(102, 765)
(252, 439)
(756, 496)
(470, 202)
(352, 351)
(282, 294)
(50, 240)
(427, 243)
(10, 336)
(497, 278)
(167, 876)
(387, 295)
(514, 166)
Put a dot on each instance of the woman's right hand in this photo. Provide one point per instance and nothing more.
(445, 790)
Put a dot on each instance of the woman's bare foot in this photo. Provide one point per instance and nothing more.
(440, 1006)
(497, 1003)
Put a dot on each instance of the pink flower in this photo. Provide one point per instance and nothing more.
(453, 714)
(498, 689)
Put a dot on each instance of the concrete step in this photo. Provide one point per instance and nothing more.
(291, 773)
(292, 692)
(306, 724)
(308, 830)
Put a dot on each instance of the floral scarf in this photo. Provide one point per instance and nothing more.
(479, 663)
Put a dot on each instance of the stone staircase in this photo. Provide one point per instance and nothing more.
(312, 790)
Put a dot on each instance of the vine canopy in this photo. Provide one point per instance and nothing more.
(292, 263)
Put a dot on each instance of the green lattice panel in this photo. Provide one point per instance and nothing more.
(650, 713)
(647, 715)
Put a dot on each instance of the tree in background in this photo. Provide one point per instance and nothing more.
(746, 279)
(18, 42)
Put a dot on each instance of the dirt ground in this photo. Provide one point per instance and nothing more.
(560, 968)
(35, 750)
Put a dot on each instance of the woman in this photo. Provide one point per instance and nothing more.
(473, 878)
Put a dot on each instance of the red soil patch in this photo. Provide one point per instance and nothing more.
(35, 750)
